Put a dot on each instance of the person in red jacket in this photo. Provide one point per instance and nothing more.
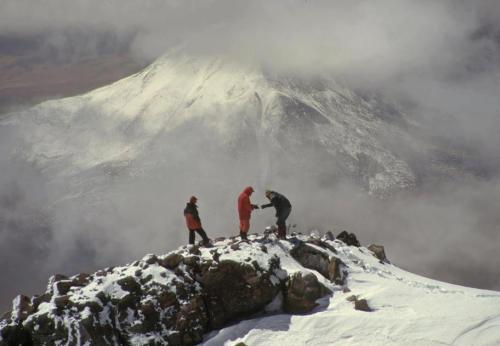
(193, 221)
(245, 208)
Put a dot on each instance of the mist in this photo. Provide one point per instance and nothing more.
(439, 61)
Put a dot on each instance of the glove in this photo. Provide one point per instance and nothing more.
(262, 206)
(255, 206)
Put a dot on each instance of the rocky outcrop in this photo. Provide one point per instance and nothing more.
(348, 238)
(302, 291)
(176, 298)
(379, 252)
(359, 304)
(310, 257)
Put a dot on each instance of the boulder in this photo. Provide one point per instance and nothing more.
(302, 291)
(63, 287)
(80, 280)
(250, 290)
(362, 305)
(311, 258)
(61, 301)
(21, 308)
(329, 236)
(39, 299)
(348, 238)
(379, 252)
(129, 284)
(194, 250)
(192, 321)
(171, 261)
(359, 304)
(151, 259)
(16, 335)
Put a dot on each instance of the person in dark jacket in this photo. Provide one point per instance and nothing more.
(283, 208)
(193, 221)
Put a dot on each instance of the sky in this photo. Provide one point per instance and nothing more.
(440, 61)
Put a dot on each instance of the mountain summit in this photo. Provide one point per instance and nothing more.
(305, 290)
(290, 121)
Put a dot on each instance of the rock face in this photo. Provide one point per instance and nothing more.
(348, 238)
(319, 260)
(176, 298)
(302, 292)
(379, 252)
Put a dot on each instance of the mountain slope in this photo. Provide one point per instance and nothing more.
(175, 298)
(408, 310)
(281, 117)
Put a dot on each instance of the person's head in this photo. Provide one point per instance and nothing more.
(248, 190)
(193, 199)
(268, 194)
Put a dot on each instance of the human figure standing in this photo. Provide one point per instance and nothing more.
(193, 221)
(283, 208)
(245, 208)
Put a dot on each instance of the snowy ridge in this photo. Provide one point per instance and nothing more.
(408, 310)
(305, 291)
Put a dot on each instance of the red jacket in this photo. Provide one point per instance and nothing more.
(244, 205)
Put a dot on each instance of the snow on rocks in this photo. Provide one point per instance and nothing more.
(378, 304)
(304, 290)
(178, 297)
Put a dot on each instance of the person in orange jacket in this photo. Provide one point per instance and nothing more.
(193, 221)
(245, 208)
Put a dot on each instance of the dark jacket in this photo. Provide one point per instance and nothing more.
(278, 201)
(192, 217)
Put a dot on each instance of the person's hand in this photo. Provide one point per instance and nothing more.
(262, 206)
(254, 206)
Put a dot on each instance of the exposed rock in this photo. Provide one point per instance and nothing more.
(362, 305)
(359, 304)
(61, 302)
(171, 261)
(151, 259)
(21, 308)
(329, 236)
(250, 291)
(63, 286)
(311, 258)
(302, 292)
(39, 299)
(129, 284)
(348, 238)
(80, 280)
(174, 299)
(379, 252)
(194, 250)
(192, 321)
(16, 335)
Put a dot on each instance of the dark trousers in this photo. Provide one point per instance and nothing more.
(281, 222)
(201, 232)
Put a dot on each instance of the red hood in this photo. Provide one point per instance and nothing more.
(248, 190)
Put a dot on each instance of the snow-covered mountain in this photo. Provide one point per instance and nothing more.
(302, 291)
(295, 120)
